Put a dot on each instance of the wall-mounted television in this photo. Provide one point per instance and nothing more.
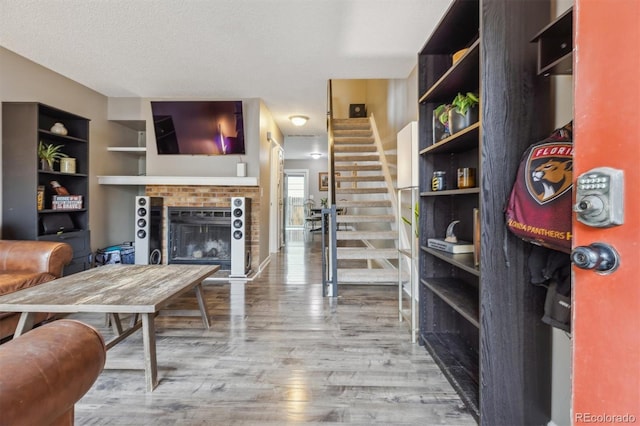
(198, 127)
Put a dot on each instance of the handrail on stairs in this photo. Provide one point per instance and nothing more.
(329, 242)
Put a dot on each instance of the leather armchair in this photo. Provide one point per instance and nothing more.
(25, 264)
(44, 372)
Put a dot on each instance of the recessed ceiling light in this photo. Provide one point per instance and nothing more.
(315, 155)
(299, 120)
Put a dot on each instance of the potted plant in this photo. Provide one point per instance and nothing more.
(463, 112)
(441, 122)
(49, 154)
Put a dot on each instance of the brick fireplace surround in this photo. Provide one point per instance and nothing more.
(210, 196)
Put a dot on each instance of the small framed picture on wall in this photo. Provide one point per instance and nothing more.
(323, 181)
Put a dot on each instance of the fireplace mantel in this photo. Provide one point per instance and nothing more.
(178, 180)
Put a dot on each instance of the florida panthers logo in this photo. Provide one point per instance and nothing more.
(550, 171)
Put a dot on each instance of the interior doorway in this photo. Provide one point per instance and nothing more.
(295, 186)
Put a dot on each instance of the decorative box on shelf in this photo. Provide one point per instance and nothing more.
(455, 248)
(66, 202)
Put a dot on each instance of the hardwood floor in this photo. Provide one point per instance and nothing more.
(277, 353)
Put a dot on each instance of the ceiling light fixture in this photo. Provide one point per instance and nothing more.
(299, 120)
(315, 155)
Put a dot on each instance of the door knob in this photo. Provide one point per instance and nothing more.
(600, 257)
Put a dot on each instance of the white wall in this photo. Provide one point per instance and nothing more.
(561, 366)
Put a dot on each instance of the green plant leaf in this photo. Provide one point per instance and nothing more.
(442, 113)
(461, 103)
(50, 152)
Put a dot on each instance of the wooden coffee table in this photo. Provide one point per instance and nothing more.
(141, 290)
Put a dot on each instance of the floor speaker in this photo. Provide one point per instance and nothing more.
(148, 225)
(240, 236)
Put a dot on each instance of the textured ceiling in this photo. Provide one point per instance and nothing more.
(282, 51)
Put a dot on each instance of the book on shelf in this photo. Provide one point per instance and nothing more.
(449, 247)
(66, 202)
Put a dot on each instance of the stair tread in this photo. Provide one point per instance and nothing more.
(352, 140)
(367, 275)
(354, 148)
(366, 253)
(363, 203)
(358, 167)
(350, 123)
(366, 235)
(361, 218)
(356, 158)
(360, 178)
(360, 132)
(380, 190)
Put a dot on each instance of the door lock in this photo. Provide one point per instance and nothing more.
(600, 257)
(599, 197)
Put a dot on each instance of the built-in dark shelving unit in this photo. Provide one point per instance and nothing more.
(482, 323)
(555, 46)
(24, 125)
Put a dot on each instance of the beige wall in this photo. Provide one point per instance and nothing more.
(267, 125)
(111, 206)
(23, 80)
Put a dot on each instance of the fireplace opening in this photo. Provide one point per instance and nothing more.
(200, 236)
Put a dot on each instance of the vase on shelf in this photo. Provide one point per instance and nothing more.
(440, 131)
(68, 165)
(45, 165)
(459, 121)
(59, 129)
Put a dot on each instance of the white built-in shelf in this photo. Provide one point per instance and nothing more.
(178, 180)
(140, 150)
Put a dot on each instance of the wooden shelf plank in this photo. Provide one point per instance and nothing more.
(462, 297)
(463, 76)
(463, 140)
(463, 261)
(465, 191)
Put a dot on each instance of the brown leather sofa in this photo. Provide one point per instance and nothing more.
(44, 372)
(25, 264)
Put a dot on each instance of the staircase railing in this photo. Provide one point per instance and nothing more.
(329, 240)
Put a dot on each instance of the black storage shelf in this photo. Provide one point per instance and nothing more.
(462, 297)
(463, 76)
(470, 323)
(555, 46)
(456, 29)
(25, 125)
(459, 363)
